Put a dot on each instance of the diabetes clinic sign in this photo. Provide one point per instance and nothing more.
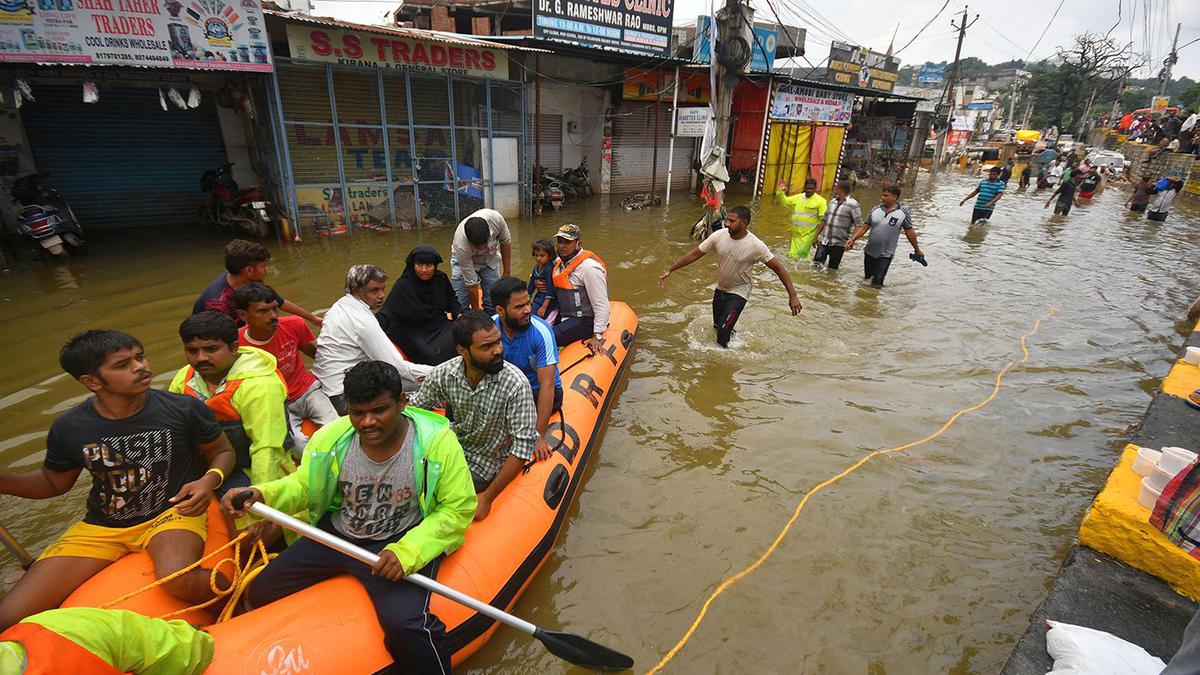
(378, 50)
(632, 26)
(197, 34)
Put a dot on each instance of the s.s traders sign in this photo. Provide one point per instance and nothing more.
(203, 34)
(633, 26)
(377, 50)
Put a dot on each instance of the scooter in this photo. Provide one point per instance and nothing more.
(45, 217)
(550, 190)
(232, 209)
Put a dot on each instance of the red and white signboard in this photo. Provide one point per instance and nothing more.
(378, 50)
(200, 34)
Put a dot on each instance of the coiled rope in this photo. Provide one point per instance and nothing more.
(239, 578)
(730, 581)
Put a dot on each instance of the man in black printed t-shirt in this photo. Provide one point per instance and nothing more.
(155, 459)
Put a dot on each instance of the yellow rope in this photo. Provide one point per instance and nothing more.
(730, 581)
(240, 577)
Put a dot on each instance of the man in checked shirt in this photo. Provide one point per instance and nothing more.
(490, 406)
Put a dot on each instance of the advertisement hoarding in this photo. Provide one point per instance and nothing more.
(931, 74)
(805, 104)
(861, 67)
(650, 85)
(377, 50)
(1158, 105)
(762, 52)
(632, 26)
(201, 34)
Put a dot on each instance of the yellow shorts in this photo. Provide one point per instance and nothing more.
(85, 540)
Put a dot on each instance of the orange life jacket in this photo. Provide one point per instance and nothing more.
(572, 300)
(231, 420)
(48, 653)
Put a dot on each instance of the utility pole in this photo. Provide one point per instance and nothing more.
(731, 23)
(946, 112)
(1083, 117)
(1164, 75)
(1012, 101)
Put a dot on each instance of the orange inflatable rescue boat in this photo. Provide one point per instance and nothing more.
(331, 626)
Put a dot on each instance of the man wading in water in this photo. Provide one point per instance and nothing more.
(737, 252)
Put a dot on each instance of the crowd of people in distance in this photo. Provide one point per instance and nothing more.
(380, 471)
(1174, 131)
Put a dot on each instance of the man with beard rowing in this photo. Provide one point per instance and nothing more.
(489, 403)
(528, 343)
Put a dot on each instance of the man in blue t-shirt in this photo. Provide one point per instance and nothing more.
(990, 190)
(529, 344)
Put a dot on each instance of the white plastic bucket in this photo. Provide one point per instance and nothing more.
(1148, 495)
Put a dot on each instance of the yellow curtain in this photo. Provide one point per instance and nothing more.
(788, 156)
(833, 149)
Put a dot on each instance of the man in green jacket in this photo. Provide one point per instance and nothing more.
(391, 479)
(244, 390)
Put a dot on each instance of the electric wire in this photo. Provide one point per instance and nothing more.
(1048, 24)
(927, 24)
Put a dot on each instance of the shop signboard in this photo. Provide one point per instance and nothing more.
(979, 105)
(762, 52)
(194, 34)
(380, 50)
(632, 26)
(931, 74)
(650, 85)
(806, 104)
(860, 67)
(1158, 105)
(692, 121)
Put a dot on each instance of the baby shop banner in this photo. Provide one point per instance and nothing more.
(197, 34)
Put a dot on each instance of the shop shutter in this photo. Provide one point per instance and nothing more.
(633, 149)
(551, 141)
(124, 162)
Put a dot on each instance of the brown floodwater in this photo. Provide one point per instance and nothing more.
(930, 561)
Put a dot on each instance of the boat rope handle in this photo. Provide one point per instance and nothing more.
(730, 581)
(239, 579)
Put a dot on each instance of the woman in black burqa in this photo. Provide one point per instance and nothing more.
(420, 309)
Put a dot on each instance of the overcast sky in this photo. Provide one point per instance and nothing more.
(1006, 30)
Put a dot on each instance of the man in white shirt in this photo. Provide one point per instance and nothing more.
(738, 251)
(351, 335)
(480, 253)
(1054, 174)
(581, 288)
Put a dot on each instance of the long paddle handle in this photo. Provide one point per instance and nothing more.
(15, 548)
(363, 555)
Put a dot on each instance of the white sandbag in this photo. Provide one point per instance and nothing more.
(1085, 651)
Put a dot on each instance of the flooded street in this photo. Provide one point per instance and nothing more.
(929, 561)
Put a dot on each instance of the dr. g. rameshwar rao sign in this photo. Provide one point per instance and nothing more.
(632, 26)
(860, 67)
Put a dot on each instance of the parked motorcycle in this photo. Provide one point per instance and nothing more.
(550, 190)
(232, 209)
(45, 217)
(578, 179)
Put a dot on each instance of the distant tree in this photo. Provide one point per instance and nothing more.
(1091, 64)
(1190, 97)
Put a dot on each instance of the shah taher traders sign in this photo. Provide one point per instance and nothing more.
(378, 50)
(634, 26)
(203, 34)
(861, 67)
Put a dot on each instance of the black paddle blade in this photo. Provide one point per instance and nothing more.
(583, 652)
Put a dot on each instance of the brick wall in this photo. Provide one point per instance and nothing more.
(440, 20)
(481, 25)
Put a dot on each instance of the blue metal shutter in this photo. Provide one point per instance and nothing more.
(124, 162)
